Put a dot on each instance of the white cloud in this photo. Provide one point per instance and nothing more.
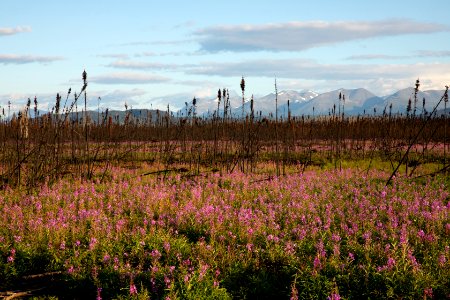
(108, 99)
(309, 69)
(11, 31)
(19, 100)
(381, 79)
(375, 57)
(114, 55)
(116, 99)
(128, 78)
(186, 24)
(429, 53)
(26, 59)
(140, 65)
(298, 36)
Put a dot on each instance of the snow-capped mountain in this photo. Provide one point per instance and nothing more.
(266, 104)
(399, 100)
(357, 102)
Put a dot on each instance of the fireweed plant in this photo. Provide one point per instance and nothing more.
(187, 206)
(336, 234)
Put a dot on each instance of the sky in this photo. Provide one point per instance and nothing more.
(148, 54)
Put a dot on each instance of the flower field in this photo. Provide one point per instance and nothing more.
(316, 235)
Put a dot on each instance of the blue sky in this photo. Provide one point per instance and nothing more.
(149, 53)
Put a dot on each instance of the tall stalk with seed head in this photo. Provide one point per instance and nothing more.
(86, 129)
(416, 90)
(243, 96)
(243, 119)
(277, 163)
(445, 122)
(217, 124)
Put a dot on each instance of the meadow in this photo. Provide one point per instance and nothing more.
(220, 207)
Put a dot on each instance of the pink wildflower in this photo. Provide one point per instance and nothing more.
(133, 290)
(167, 246)
(99, 292)
(334, 296)
(167, 281)
(155, 254)
(317, 263)
(92, 243)
(351, 256)
(421, 234)
(428, 292)
(442, 260)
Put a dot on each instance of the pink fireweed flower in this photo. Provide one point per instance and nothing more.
(186, 278)
(116, 263)
(334, 296)
(99, 294)
(167, 246)
(335, 237)
(442, 260)
(389, 265)
(428, 292)
(186, 262)
(167, 281)
(421, 234)
(351, 256)
(155, 254)
(133, 290)
(12, 256)
(336, 250)
(294, 292)
(92, 243)
(317, 263)
(366, 236)
(289, 248)
(270, 237)
(203, 270)
(321, 249)
(391, 262)
(413, 260)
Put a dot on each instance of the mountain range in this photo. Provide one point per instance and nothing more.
(357, 102)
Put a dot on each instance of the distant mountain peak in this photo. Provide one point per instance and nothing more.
(307, 102)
